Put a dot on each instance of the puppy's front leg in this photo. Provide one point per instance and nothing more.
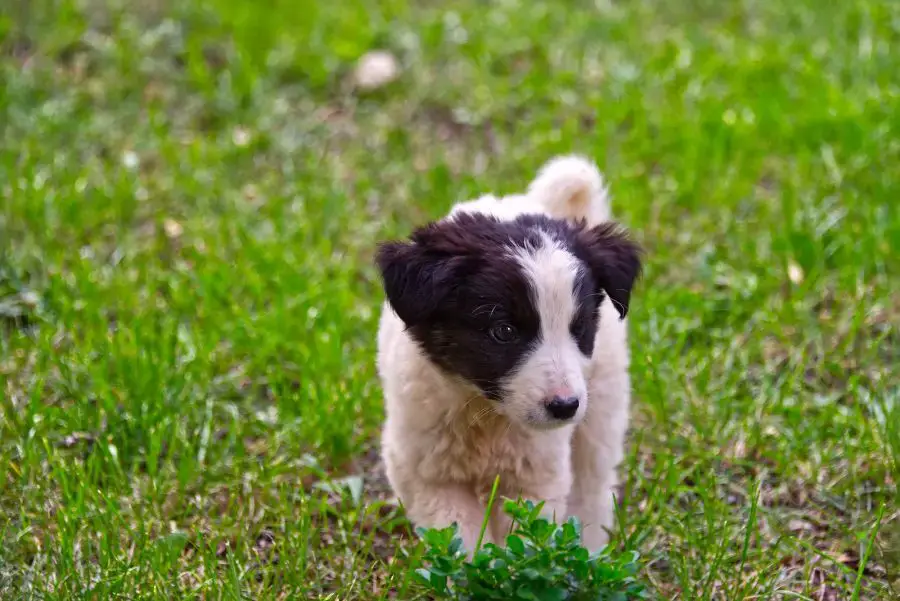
(594, 476)
(438, 506)
(592, 503)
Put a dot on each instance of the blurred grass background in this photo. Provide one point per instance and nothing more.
(191, 193)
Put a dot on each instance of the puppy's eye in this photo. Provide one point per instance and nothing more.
(504, 333)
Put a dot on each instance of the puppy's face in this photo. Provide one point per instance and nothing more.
(511, 306)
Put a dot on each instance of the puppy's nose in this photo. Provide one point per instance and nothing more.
(562, 407)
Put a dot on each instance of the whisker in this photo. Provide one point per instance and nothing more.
(482, 413)
(617, 305)
(468, 401)
(483, 308)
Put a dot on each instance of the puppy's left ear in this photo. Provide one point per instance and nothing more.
(614, 260)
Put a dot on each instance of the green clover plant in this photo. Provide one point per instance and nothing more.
(541, 561)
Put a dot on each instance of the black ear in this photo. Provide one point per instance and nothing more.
(614, 260)
(415, 279)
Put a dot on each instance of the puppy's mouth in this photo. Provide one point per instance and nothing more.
(540, 416)
(544, 425)
(536, 418)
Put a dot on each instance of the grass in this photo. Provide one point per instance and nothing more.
(190, 193)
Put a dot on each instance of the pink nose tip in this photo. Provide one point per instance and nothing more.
(562, 392)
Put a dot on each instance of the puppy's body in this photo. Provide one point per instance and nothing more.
(502, 351)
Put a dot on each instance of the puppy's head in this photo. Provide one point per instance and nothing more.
(511, 306)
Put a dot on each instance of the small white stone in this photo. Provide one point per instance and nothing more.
(30, 298)
(795, 272)
(172, 228)
(240, 137)
(375, 69)
(130, 159)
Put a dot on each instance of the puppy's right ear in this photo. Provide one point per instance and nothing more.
(615, 262)
(415, 279)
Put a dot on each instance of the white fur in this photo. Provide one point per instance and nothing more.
(443, 443)
(571, 186)
(567, 187)
(556, 364)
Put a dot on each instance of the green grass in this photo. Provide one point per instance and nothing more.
(190, 194)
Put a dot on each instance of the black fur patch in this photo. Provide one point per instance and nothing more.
(455, 280)
(584, 322)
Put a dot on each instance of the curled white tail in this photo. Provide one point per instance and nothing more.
(571, 187)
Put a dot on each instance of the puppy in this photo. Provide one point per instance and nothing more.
(502, 350)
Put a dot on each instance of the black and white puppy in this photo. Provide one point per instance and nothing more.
(502, 350)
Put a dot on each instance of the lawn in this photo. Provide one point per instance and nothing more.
(190, 195)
